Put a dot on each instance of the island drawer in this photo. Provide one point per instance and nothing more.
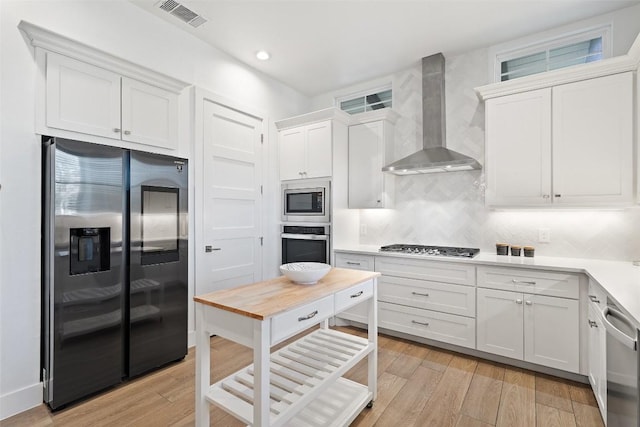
(354, 295)
(556, 284)
(298, 319)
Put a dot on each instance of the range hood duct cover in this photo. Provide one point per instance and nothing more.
(434, 156)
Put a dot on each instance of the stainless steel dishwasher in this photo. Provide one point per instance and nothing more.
(623, 367)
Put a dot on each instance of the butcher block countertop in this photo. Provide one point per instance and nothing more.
(268, 298)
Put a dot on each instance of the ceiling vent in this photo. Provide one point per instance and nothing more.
(182, 12)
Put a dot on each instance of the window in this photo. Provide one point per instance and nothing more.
(366, 101)
(557, 53)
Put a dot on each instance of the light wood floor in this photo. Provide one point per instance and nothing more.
(418, 385)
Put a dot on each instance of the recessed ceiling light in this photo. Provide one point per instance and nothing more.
(263, 55)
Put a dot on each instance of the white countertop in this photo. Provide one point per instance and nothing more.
(620, 279)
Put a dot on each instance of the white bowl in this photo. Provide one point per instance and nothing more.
(305, 273)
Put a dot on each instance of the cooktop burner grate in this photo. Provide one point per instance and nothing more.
(431, 250)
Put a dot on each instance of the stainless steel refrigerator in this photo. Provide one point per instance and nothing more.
(114, 266)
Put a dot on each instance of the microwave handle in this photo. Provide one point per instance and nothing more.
(305, 236)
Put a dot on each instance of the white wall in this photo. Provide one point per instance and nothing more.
(120, 28)
(448, 209)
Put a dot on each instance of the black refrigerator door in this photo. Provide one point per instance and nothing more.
(83, 290)
(158, 261)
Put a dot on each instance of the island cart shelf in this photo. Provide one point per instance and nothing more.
(300, 384)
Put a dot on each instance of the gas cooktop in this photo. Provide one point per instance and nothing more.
(431, 250)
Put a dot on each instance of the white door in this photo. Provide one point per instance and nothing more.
(518, 133)
(231, 253)
(500, 322)
(551, 331)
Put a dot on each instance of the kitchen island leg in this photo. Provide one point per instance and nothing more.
(203, 367)
(372, 333)
(261, 365)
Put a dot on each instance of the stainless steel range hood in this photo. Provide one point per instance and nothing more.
(434, 156)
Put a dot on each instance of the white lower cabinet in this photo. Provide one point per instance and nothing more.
(534, 328)
(597, 365)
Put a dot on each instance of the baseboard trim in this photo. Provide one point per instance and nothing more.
(191, 339)
(20, 400)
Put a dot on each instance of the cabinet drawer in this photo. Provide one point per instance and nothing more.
(443, 297)
(555, 284)
(443, 327)
(354, 295)
(298, 319)
(597, 295)
(355, 261)
(427, 270)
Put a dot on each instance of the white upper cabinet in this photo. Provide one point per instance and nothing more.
(305, 151)
(370, 148)
(307, 143)
(593, 141)
(87, 99)
(569, 145)
(82, 98)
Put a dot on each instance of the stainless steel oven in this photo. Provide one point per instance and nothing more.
(307, 201)
(305, 243)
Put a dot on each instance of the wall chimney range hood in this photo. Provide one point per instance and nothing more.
(434, 156)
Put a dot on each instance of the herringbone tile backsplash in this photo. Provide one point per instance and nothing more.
(448, 208)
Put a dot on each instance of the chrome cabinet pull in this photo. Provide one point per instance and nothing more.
(528, 302)
(523, 282)
(557, 195)
(545, 196)
(210, 248)
(594, 298)
(116, 130)
(127, 132)
(518, 301)
(356, 295)
(308, 316)
(593, 324)
(420, 323)
(352, 263)
(418, 293)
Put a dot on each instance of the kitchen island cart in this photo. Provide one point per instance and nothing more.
(300, 384)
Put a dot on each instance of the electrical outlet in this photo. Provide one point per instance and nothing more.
(544, 235)
(363, 229)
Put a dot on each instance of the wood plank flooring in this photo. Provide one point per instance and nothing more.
(418, 385)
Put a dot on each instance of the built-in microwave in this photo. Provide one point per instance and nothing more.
(308, 201)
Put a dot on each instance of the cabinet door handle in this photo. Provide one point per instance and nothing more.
(127, 132)
(592, 324)
(356, 295)
(528, 302)
(518, 301)
(352, 263)
(522, 282)
(308, 316)
(116, 130)
(420, 323)
(557, 195)
(594, 298)
(545, 196)
(418, 293)
(210, 248)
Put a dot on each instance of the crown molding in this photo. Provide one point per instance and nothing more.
(374, 115)
(53, 42)
(618, 64)
(314, 116)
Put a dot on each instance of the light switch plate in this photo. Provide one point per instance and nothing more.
(544, 235)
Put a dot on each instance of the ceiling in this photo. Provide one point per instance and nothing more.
(320, 46)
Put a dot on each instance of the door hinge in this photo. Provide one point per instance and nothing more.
(261, 241)
(262, 138)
